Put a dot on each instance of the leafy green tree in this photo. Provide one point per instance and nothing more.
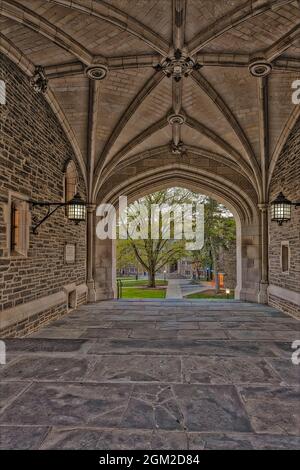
(220, 232)
(153, 254)
(125, 255)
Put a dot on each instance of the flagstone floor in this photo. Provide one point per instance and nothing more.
(154, 374)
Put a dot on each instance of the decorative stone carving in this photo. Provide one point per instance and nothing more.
(39, 80)
(176, 119)
(96, 72)
(260, 67)
(178, 149)
(263, 207)
(178, 66)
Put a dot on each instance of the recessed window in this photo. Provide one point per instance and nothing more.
(19, 227)
(285, 257)
(71, 182)
(15, 227)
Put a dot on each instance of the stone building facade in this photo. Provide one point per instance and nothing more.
(284, 288)
(35, 287)
(143, 98)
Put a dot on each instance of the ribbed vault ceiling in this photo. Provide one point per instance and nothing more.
(228, 113)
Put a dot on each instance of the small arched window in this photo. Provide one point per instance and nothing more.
(71, 181)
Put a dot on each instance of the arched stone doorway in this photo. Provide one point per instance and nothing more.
(223, 126)
(180, 175)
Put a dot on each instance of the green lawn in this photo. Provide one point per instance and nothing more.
(141, 282)
(133, 293)
(210, 294)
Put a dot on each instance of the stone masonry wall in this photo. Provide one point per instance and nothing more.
(227, 263)
(33, 154)
(286, 178)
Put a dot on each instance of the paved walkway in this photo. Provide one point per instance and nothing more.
(178, 288)
(174, 288)
(156, 374)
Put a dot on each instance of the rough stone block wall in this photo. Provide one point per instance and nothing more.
(286, 178)
(27, 327)
(227, 263)
(284, 305)
(33, 154)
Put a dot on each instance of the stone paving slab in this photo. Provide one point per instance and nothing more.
(59, 333)
(232, 441)
(154, 375)
(216, 370)
(152, 333)
(106, 333)
(262, 334)
(153, 407)
(288, 373)
(137, 369)
(189, 346)
(69, 404)
(22, 437)
(177, 325)
(202, 334)
(34, 437)
(274, 325)
(9, 391)
(212, 408)
(49, 368)
(141, 368)
(34, 345)
(273, 410)
(89, 439)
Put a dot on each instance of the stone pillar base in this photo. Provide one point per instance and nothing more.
(249, 295)
(104, 294)
(91, 296)
(237, 293)
(263, 293)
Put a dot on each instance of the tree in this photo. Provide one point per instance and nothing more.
(220, 232)
(154, 254)
(125, 255)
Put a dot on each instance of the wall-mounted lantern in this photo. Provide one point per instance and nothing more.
(76, 209)
(281, 209)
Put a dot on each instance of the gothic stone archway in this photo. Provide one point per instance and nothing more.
(173, 172)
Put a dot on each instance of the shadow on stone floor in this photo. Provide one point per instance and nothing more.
(161, 375)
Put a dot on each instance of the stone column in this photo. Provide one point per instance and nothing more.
(105, 269)
(90, 251)
(251, 255)
(264, 282)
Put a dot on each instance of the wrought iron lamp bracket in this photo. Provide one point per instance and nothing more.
(50, 212)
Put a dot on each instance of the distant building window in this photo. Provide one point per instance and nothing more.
(285, 257)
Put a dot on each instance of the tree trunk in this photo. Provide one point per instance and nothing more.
(216, 269)
(217, 283)
(151, 278)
